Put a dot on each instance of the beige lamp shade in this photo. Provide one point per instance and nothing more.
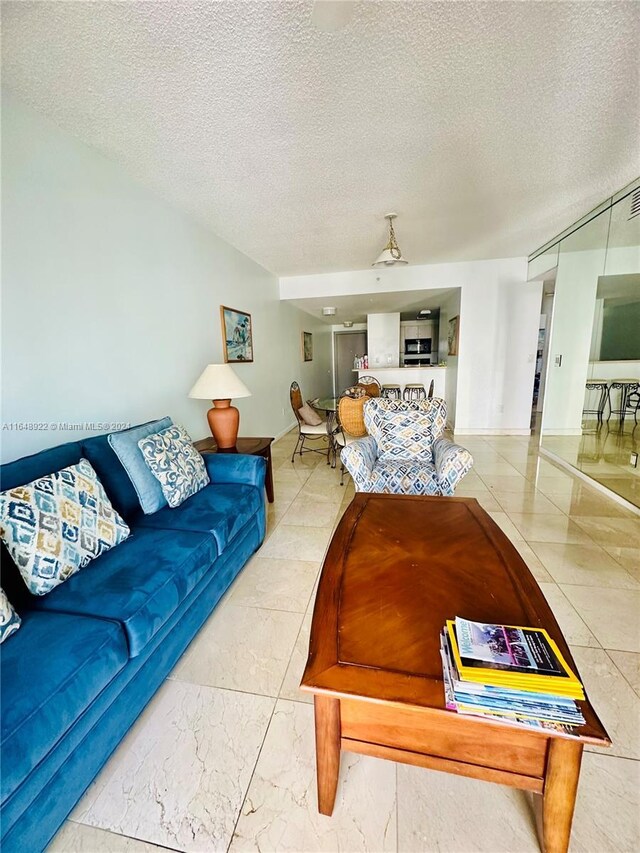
(219, 382)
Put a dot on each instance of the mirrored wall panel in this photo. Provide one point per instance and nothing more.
(591, 407)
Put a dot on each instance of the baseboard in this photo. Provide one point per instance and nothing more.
(589, 481)
(284, 431)
(492, 431)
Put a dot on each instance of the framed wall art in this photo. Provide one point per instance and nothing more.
(237, 335)
(452, 337)
(307, 346)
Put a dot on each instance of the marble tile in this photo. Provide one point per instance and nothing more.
(573, 628)
(310, 513)
(612, 532)
(527, 503)
(499, 483)
(291, 684)
(587, 502)
(241, 648)
(533, 563)
(180, 777)
(275, 584)
(629, 665)
(628, 558)
(499, 467)
(292, 476)
(613, 699)
(323, 491)
(613, 615)
(280, 811)
(558, 484)
(506, 525)
(540, 527)
(440, 811)
(484, 497)
(607, 815)
(294, 542)
(79, 838)
(588, 565)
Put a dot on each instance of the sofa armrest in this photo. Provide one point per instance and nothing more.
(236, 468)
(359, 459)
(452, 463)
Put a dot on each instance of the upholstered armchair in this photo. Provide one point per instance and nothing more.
(405, 451)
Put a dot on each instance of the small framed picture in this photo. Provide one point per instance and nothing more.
(307, 346)
(452, 337)
(237, 335)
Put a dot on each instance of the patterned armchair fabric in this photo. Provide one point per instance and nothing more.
(405, 451)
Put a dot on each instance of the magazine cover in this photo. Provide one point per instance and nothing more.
(524, 648)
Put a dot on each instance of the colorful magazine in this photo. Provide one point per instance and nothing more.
(539, 665)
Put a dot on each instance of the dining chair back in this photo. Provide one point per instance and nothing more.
(430, 392)
(371, 386)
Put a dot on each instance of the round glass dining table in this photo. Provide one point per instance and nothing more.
(328, 404)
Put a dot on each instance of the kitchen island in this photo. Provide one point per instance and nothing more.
(408, 375)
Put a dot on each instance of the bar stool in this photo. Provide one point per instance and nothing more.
(391, 392)
(414, 391)
(602, 386)
(627, 387)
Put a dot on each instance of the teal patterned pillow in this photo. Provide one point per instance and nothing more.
(175, 463)
(9, 619)
(55, 525)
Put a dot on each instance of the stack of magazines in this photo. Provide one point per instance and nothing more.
(516, 675)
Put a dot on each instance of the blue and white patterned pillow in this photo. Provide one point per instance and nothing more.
(175, 463)
(55, 525)
(9, 619)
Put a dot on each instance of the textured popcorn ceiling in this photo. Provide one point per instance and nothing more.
(488, 127)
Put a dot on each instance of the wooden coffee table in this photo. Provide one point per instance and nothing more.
(396, 569)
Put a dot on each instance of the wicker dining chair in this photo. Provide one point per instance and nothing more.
(430, 392)
(350, 424)
(371, 386)
(307, 432)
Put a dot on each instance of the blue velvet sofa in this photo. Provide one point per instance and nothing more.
(90, 654)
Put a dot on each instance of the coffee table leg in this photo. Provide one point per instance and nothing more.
(554, 807)
(327, 717)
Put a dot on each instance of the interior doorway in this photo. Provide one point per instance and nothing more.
(542, 355)
(346, 346)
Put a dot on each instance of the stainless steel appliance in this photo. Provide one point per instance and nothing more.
(417, 346)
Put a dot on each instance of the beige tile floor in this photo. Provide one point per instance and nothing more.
(223, 756)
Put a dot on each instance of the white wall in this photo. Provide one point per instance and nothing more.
(499, 313)
(111, 297)
(383, 339)
(449, 309)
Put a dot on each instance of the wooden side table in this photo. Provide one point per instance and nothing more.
(250, 446)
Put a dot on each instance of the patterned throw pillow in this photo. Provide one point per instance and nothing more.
(55, 525)
(175, 463)
(9, 619)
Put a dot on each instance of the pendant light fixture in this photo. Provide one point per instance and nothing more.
(391, 253)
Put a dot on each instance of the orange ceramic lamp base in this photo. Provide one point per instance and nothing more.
(224, 420)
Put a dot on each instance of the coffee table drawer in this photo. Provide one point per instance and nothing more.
(444, 735)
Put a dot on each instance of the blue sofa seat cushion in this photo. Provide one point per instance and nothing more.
(221, 509)
(52, 669)
(139, 584)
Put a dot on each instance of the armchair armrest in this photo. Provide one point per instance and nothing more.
(236, 468)
(452, 463)
(359, 459)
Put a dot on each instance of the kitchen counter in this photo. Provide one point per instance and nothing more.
(408, 375)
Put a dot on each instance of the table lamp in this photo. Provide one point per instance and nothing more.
(219, 383)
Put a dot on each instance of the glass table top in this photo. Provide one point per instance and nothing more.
(328, 404)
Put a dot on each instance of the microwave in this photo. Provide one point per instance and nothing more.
(417, 346)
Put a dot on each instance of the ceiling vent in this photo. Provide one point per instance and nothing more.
(635, 203)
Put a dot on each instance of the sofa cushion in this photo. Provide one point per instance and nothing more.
(125, 445)
(55, 525)
(139, 584)
(220, 510)
(52, 669)
(112, 475)
(175, 463)
(405, 476)
(45, 462)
